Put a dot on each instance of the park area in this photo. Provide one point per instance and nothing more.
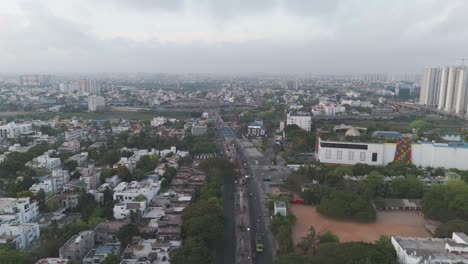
(389, 223)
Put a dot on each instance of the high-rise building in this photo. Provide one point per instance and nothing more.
(96, 103)
(89, 86)
(445, 88)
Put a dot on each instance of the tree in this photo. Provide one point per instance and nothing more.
(309, 242)
(352, 252)
(194, 251)
(420, 124)
(346, 205)
(373, 185)
(328, 237)
(11, 256)
(86, 206)
(446, 229)
(70, 165)
(446, 202)
(293, 258)
(407, 187)
(126, 233)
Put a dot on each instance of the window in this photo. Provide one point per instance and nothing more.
(328, 154)
(350, 155)
(342, 145)
(374, 156)
(339, 154)
(362, 156)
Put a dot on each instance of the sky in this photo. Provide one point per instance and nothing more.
(231, 36)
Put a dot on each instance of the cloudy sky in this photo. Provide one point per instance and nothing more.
(231, 36)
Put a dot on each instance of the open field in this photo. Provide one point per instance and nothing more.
(13, 113)
(389, 223)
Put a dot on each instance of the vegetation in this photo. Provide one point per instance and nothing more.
(455, 225)
(200, 144)
(346, 205)
(203, 221)
(446, 202)
(11, 256)
(281, 227)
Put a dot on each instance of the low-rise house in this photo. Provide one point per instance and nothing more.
(149, 251)
(129, 191)
(52, 261)
(80, 158)
(77, 246)
(107, 231)
(411, 250)
(279, 207)
(72, 146)
(45, 162)
(98, 254)
(22, 210)
(123, 209)
(19, 236)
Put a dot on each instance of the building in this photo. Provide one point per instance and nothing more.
(72, 134)
(424, 154)
(256, 129)
(13, 130)
(36, 79)
(87, 86)
(199, 130)
(411, 250)
(96, 103)
(21, 210)
(129, 191)
(52, 261)
(123, 209)
(72, 146)
(45, 162)
(279, 207)
(52, 183)
(158, 121)
(77, 246)
(150, 251)
(302, 121)
(445, 88)
(19, 236)
(107, 231)
(100, 253)
(382, 111)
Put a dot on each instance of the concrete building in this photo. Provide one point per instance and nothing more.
(72, 146)
(87, 86)
(412, 250)
(19, 236)
(77, 246)
(151, 250)
(123, 209)
(445, 88)
(52, 183)
(45, 162)
(256, 129)
(430, 85)
(302, 121)
(279, 207)
(96, 103)
(129, 191)
(423, 154)
(199, 130)
(100, 253)
(73, 134)
(21, 210)
(13, 130)
(52, 261)
(158, 121)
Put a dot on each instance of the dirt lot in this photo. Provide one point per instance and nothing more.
(388, 223)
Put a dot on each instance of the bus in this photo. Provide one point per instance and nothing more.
(259, 244)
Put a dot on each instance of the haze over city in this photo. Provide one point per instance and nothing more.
(220, 36)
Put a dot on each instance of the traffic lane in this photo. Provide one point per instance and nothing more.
(229, 232)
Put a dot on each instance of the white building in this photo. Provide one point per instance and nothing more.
(20, 236)
(279, 207)
(199, 130)
(45, 162)
(445, 88)
(13, 130)
(123, 209)
(302, 121)
(129, 191)
(21, 210)
(422, 153)
(96, 103)
(52, 261)
(158, 121)
(411, 250)
(52, 183)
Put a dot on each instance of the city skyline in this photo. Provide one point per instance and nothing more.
(316, 37)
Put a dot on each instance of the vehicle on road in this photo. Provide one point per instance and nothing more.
(259, 244)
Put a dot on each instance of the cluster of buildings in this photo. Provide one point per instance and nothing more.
(445, 88)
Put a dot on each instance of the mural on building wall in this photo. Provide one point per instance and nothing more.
(403, 150)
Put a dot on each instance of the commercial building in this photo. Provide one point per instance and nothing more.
(423, 154)
(412, 250)
(77, 246)
(20, 210)
(87, 86)
(19, 236)
(96, 103)
(302, 121)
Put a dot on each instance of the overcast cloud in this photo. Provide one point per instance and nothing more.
(231, 36)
